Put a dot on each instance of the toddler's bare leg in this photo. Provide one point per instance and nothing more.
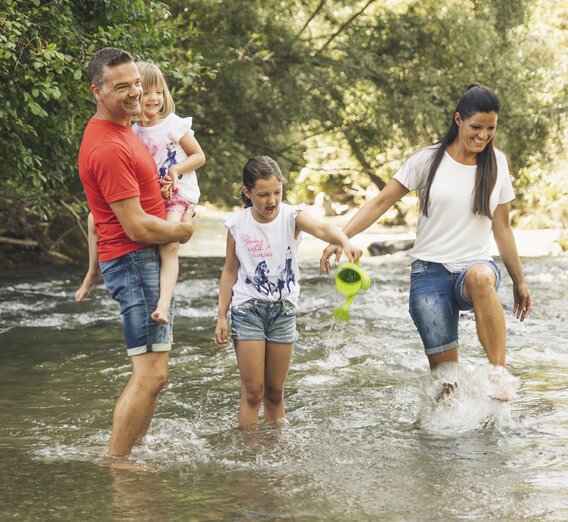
(92, 275)
(169, 269)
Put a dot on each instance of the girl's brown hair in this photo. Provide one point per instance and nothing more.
(259, 167)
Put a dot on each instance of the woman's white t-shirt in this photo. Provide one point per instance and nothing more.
(162, 140)
(268, 256)
(452, 234)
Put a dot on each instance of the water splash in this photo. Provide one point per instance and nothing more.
(336, 327)
(329, 338)
(460, 398)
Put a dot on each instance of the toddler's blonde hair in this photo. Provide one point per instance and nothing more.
(153, 77)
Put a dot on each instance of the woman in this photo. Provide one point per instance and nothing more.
(465, 190)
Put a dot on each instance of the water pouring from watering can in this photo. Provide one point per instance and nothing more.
(349, 281)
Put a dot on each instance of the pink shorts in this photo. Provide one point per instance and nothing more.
(175, 203)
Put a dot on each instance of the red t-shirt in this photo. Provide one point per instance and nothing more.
(114, 165)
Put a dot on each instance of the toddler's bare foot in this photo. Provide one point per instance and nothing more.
(86, 286)
(161, 314)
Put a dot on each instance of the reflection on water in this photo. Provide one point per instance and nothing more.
(369, 437)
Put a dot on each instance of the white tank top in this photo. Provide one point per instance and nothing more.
(268, 256)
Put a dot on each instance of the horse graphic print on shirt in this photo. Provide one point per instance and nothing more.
(169, 161)
(268, 256)
(265, 284)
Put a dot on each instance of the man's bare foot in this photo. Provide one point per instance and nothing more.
(86, 286)
(123, 463)
(161, 314)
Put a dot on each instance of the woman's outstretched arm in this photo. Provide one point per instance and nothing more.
(368, 214)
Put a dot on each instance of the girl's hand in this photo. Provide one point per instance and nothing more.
(353, 252)
(166, 186)
(222, 333)
(325, 263)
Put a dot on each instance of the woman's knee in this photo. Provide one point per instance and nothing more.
(479, 280)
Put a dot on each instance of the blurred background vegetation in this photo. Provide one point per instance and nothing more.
(339, 92)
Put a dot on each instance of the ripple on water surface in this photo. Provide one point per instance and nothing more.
(371, 435)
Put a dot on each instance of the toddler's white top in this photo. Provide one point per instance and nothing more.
(162, 140)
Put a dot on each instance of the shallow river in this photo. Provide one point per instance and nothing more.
(366, 438)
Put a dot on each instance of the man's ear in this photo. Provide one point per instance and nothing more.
(96, 91)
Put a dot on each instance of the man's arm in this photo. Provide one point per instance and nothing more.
(145, 228)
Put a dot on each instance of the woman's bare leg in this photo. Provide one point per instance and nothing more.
(479, 288)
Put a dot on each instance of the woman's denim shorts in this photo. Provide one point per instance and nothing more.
(134, 281)
(436, 298)
(273, 321)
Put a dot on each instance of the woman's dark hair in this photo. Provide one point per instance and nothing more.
(477, 98)
(259, 167)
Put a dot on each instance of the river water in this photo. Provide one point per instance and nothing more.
(366, 438)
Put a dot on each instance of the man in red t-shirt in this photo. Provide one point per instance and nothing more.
(123, 192)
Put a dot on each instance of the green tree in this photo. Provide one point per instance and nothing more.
(402, 72)
(339, 92)
(44, 49)
(376, 80)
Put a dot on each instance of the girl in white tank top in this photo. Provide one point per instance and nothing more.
(261, 284)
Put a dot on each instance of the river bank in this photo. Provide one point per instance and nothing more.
(210, 237)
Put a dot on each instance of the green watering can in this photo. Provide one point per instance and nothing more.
(349, 281)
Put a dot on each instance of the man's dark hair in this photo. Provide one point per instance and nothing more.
(106, 57)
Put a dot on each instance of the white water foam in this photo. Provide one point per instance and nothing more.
(479, 398)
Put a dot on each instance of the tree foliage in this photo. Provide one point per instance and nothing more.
(340, 92)
(379, 81)
(44, 49)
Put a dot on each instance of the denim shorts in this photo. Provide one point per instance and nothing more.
(273, 321)
(134, 281)
(436, 298)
